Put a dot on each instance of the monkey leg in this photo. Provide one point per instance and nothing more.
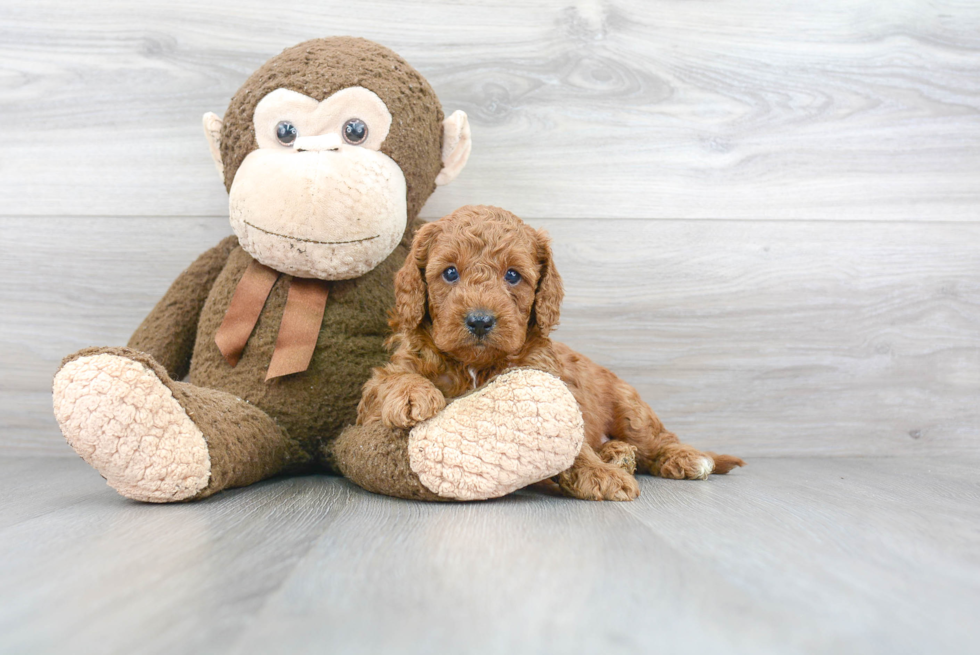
(375, 458)
(522, 427)
(157, 440)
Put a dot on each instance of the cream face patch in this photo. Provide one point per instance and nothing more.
(329, 117)
(318, 199)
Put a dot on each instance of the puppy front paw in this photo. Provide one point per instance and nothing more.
(599, 483)
(411, 402)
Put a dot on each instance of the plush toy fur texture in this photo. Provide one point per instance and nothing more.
(305, 411)
(157, 440)
(520, 429)
(156, 437)
(301, 413)
(352, 62)
(466, 456)
(159, 453)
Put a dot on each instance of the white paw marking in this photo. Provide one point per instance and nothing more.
(705, 467)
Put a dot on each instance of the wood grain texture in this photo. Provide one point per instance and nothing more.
(750, 337)
(825, 302)
(74, 283)
(188, 575)
(873, 555)
(627, 108)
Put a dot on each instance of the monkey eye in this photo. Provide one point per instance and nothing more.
(286, 133)
(355, 131)
(512, 277)
(450, 274)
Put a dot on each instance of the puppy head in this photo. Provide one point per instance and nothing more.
(480, 282)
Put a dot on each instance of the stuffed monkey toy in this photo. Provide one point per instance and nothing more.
(328, 153)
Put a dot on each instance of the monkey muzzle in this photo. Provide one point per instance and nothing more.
(323, 210)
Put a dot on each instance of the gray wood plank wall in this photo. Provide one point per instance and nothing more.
(766, 212)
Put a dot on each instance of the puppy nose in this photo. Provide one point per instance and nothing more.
(479, 323)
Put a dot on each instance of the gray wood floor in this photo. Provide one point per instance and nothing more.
(815, 555)
(767, 215)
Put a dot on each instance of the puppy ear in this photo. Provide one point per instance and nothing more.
(547, 300)
(410, 288)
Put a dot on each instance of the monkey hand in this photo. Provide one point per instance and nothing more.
(410, 399)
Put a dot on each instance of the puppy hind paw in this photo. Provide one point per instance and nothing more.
(611, 483)
(619, 453)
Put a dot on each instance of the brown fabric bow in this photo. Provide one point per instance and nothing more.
(298, 329)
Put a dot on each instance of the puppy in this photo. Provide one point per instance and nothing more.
(479, 294)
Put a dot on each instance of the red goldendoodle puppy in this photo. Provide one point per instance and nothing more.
(479, 294)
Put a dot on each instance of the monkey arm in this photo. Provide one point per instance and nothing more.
(169, 330)
(522, 427)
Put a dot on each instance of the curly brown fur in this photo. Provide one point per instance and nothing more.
(437, 355)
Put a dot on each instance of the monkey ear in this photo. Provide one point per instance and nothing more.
(547, 299)
(410, 288)
(456, 146)
(212, 130)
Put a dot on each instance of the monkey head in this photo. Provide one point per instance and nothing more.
(328, 153)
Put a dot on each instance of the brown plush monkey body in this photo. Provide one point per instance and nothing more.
(328, 151)
(312, 407)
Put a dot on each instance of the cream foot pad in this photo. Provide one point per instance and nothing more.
(124, 421)
(521, 428)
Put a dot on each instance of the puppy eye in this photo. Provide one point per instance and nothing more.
(450, 274)
(286, 133)
(512, 276)
(355, 131)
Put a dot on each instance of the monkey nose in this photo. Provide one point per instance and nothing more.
(317, 143)
(480, 323)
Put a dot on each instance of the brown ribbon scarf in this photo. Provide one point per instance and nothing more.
(298, 329)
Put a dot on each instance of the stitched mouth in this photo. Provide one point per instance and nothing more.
(326, 243)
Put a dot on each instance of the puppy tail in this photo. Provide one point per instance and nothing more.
(724, 463)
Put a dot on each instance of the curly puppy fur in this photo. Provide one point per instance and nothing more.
(455, 331)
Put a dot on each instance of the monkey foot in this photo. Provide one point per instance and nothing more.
(124, 420)
(521, 428)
